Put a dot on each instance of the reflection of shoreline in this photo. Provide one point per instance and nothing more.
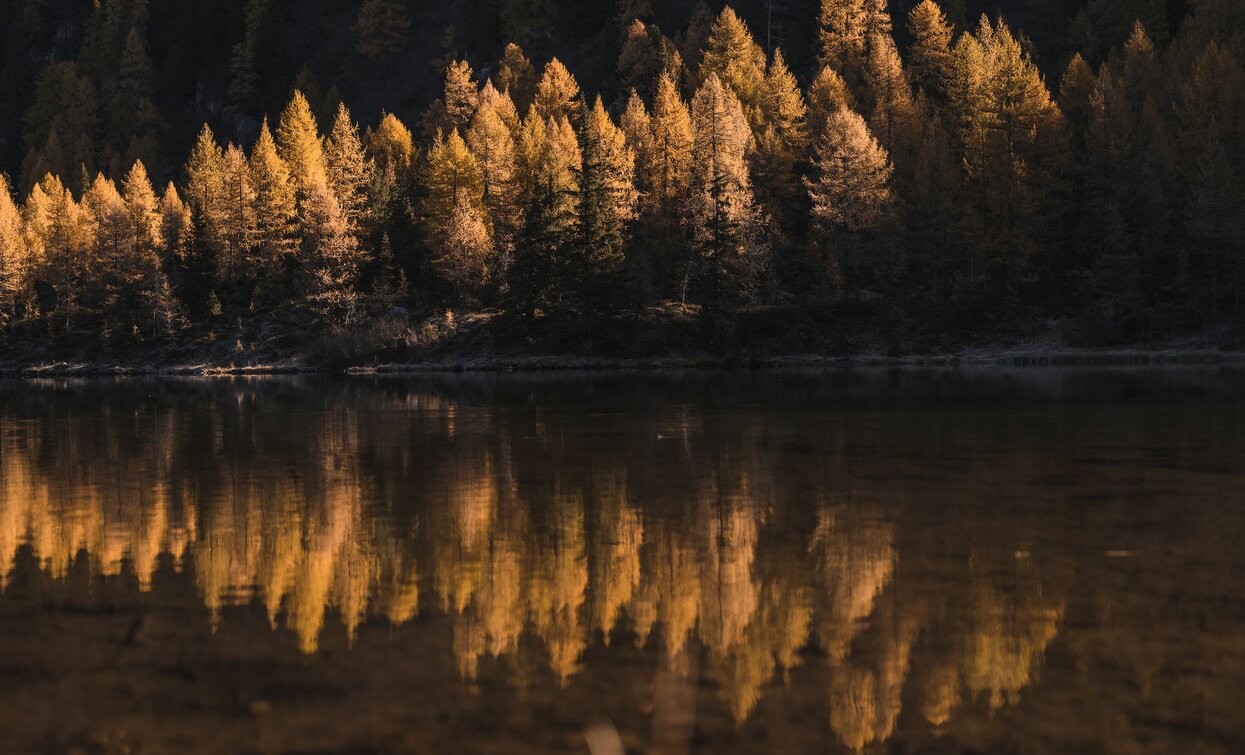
(573, 566)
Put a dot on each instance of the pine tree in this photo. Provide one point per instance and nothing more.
(528, 20)
(726, 224)
(1212, 106)
(235, 262)
(850, 191)
(1014, 138)
(383, 28)
(391, 146)
(453, 195)
(608, 203)
(276, 212)
(502, 105)
(545, 255)
(492, 143)
(929, 58)
(143, 210)
(205, 192)
(827, 95)
(738, 61)
(57, 231)
(176, 226)
(781, 142)
(664, 166)
(557, 94)
(349, 170)
(894, 119)
(847, 29)
(458, 101)
(105, 275)
(14, 255)
(152, 297)
(299, 144)
(517, 77)
(636, 124)
(60, 125)
(638, 59)
(243, 92)
(134, 123)
(330, 259)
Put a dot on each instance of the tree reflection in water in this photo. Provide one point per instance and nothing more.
(770, 555)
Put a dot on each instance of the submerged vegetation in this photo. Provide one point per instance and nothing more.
(920, 182)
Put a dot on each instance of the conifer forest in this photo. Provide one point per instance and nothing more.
(364, 181)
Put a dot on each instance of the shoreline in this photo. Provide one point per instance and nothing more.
(1012, 358)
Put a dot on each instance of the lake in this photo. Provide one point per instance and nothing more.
(944, 561)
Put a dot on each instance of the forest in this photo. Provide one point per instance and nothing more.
(366, 181)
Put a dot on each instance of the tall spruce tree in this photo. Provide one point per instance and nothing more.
(607, 207)
(455, 215)
(850, 193)
(738, 61)
(299, 144)
(545, 258)
(665, 164)
(730, 250)
(929, 57)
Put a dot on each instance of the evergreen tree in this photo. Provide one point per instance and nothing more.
(391, 146)
(454, 212)
(1013, 142)
(502, 106)
(493, 145)
(726, 224)
(235, 263)
(847, 29)
(557, 94)
(276, 210)
(929, 58)
(134, 124)
(664, 166)
(330, 259)
(545, 255)
(205, 192)
(781, 142)
(178, 232)
(14, 255)
(636, 124)
(738, 61)
(143, 210)
(300, 146)
(647, 53)
(382, 27)
(932, 210)
(60, 125)
(458, 102)
(608, 204)
(894, 119)
(57, 231)
(243, 91)
(516, 76)
(827, 95)
(1213, 106)
(151, 297)
(850, 192)
(528, 20)
(349, 170)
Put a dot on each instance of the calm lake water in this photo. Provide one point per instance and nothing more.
(778, 562)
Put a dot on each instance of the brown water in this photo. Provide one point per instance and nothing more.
(990, 562)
